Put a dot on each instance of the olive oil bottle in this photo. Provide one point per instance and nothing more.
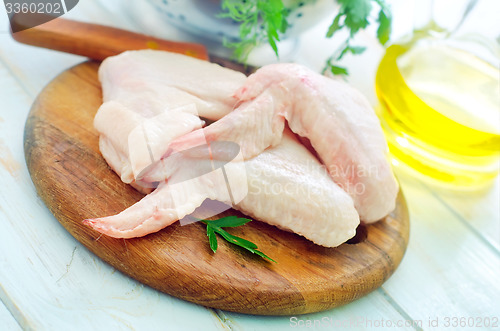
(440, 111)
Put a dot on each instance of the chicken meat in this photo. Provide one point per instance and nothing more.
(285, 186)
(337, 120)
(152, 133)
(161, 95)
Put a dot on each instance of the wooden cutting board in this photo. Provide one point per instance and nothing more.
(63, 158)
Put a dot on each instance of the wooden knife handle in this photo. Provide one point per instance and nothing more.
(95, 41)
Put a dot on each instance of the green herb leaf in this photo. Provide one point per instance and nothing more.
(236, 240)
(229, 222)
(355, 16)
(335, 26)
(356, 49)
(352, 50)
(259, 253)
(250, 246)
(260, 21)
(212, 239)
(336, 70)
(266, 21)
(384, 28)
(216, 226)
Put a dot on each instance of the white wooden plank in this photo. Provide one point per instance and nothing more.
(33, 67)
(448, 270)
(7, 321)
(50, 281)
(479, 210)
(370, 312)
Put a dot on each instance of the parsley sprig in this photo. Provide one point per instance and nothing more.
(260, 20)
(266, 20)
(216, 226)
(353, 16)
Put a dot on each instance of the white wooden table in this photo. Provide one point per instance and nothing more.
(49, 281)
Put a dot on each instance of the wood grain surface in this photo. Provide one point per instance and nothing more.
(62, 154)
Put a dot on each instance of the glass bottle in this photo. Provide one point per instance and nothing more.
(439, 96)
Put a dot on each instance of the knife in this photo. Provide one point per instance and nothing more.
(97, 42)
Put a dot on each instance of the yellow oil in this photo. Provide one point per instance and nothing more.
(440, 111)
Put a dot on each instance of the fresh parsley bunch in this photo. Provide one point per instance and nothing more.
(266, 21)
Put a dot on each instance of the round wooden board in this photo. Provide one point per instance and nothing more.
(70, 175)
